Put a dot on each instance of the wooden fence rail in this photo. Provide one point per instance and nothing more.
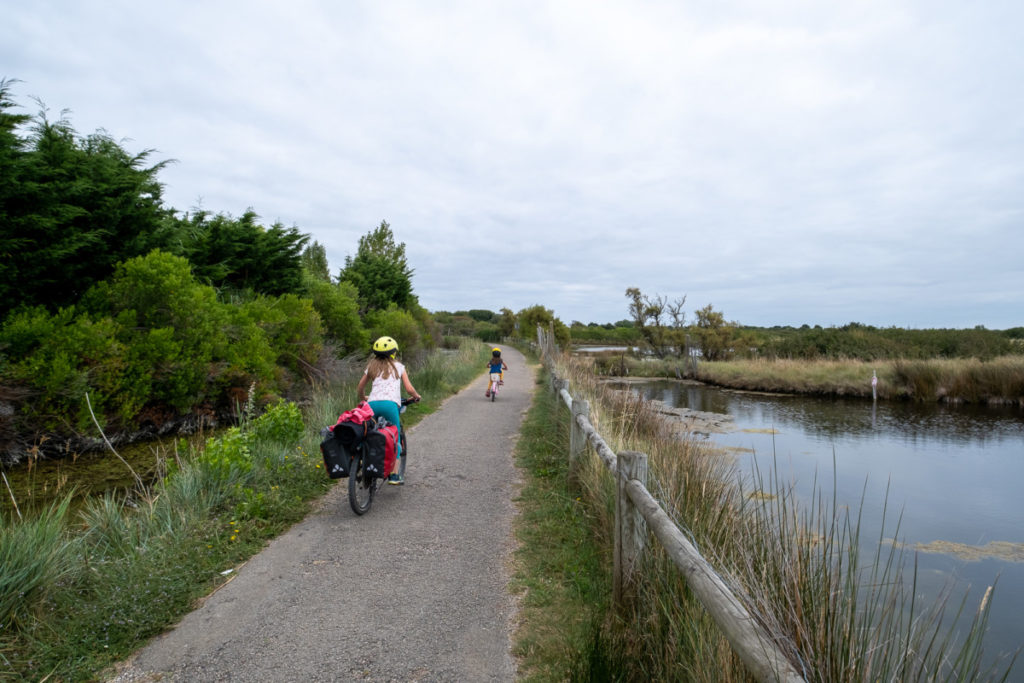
(636, 510)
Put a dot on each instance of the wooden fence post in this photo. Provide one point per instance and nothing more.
(577, 439)
(630, 527)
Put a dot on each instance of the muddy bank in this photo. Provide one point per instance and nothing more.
(18, 447)
(685, 420)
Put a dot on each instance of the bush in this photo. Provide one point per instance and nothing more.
(398, 324)
(281, 423)
(339, 311)
(177, 323)
(292, 327)
(63, 356)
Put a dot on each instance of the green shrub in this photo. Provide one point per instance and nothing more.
(339, 311)
(63, 356)
(157, 292)
(292, 327)
(249, 355)
(399, 324)
(226, 458)
(281, 423)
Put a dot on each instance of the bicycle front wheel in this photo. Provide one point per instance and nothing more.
(361, 487)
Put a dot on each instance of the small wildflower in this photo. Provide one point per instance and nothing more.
(233, 537)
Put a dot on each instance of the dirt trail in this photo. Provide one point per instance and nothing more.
(415, 590)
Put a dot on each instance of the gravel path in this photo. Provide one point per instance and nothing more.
(415, 590)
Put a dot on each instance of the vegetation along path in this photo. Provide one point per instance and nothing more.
(415, 590)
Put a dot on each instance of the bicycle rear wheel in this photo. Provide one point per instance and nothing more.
(494, 391)
(361, 487)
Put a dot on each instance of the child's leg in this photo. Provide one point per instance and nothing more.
(389, 411)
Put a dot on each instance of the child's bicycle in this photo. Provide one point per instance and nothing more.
(492, 389)
(362, 485)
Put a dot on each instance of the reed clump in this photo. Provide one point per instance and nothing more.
(971, 380)
(1000, 380)
(838, 613)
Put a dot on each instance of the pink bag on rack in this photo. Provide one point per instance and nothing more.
(361, 413)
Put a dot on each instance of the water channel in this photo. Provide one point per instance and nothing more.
(954, 472)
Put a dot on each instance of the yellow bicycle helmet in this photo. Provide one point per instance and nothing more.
(385, 347)
(495, 351)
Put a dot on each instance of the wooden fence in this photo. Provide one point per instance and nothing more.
(636, 510)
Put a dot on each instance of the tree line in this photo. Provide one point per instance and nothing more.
(116, 308)
(660, 325)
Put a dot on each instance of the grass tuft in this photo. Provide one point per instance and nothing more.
(36, 554)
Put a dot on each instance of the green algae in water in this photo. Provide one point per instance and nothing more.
(999, 550)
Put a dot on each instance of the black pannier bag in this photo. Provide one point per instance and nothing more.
(376, 453)
(351, 434)
(336, 456)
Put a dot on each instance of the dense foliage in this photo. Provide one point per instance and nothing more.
(239, 254)
(152, 337)
(119, 310)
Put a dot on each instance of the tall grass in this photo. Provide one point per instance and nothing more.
(800, 567)
(997, 381)
(35, 555)
(559, 571)
(78, 593)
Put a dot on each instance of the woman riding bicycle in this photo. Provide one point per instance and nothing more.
(388, 377)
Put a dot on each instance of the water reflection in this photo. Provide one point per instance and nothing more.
(850, 418)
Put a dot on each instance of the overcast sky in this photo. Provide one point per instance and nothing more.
(788, 162)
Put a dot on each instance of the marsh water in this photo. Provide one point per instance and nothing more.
(955, 473)
(37, 483)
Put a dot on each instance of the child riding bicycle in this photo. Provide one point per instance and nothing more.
(496, 366)
(388, 377)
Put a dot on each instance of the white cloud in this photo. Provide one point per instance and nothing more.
(792, 162)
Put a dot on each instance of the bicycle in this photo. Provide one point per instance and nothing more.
(493, 388)
(363, 486)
